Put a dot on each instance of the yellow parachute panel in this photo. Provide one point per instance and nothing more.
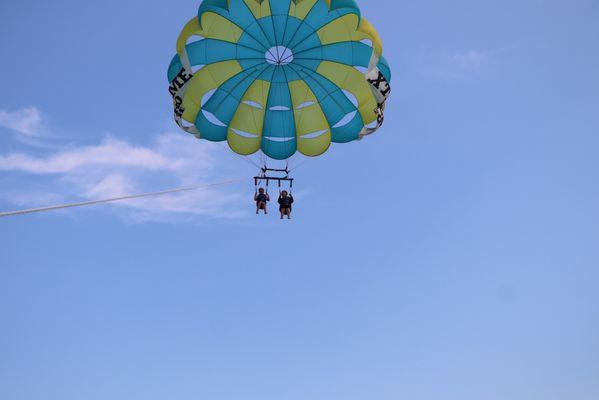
(245, 131)
(208, 78)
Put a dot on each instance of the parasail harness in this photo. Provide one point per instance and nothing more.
(265, 177)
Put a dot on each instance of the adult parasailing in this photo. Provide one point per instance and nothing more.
(279, 76)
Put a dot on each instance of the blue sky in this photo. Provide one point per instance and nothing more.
(452, 255)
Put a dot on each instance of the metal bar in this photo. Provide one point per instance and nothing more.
(270, 178)
(275, 170)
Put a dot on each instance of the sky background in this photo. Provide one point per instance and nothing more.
(452, 255)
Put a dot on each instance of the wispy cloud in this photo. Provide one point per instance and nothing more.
(456, 66)
(116, 167)
(109, 153)
(26, 124)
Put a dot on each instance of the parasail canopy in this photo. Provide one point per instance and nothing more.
(279, 76)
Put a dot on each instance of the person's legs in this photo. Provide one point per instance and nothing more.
(282, 210)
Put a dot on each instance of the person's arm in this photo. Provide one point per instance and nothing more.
(267, 197)
(256, 197)
(290, 199)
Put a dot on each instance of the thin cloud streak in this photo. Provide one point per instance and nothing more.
(115, 167)
(457, 66)
(110, 153)
(26, 121)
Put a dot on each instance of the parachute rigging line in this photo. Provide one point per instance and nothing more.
(247, 159)
(115, 199)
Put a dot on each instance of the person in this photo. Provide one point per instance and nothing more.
(261, 198)
(285, 202)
